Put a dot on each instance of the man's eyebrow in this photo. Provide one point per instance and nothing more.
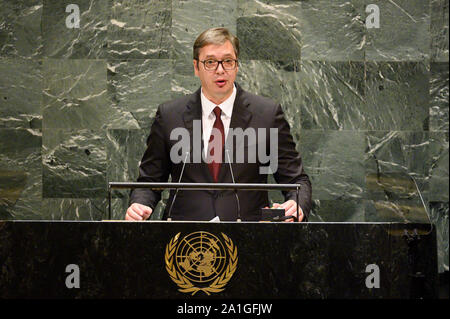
(214, 57)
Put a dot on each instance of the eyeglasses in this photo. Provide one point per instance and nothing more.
(212, 65)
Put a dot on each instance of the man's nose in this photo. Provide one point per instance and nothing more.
(220, 68)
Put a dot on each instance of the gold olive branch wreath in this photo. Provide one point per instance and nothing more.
(184, 283)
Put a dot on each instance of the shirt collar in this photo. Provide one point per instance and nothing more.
(226, 106)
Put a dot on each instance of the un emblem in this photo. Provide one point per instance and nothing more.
(201, 262)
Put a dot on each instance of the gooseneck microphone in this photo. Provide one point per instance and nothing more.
(169, 218)
(235, 191)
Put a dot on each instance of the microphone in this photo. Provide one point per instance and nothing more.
(176, 191)
(235, 191)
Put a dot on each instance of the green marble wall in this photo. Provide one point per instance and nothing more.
(76, 105)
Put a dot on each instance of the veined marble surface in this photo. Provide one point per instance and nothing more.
(364, 105)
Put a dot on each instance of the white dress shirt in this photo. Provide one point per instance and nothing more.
(208, 116)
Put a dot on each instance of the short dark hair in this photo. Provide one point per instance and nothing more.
(215, 36)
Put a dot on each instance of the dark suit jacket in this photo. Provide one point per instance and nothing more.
(249, 111)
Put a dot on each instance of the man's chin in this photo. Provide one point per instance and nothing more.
(215, 93)
(223, 95)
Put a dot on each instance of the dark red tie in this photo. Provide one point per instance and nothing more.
(215, 145)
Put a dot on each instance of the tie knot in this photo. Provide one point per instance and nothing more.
(217, 111)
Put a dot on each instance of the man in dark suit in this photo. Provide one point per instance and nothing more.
(221, 121)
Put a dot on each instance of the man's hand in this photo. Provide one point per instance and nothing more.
(290, 208)
(138, 212)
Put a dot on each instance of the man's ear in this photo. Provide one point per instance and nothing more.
(195, 67)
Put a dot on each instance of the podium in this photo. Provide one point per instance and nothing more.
(158, 260)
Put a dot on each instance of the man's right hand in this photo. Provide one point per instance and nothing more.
(138, 212)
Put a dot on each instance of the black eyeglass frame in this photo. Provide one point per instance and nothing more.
(219, 62)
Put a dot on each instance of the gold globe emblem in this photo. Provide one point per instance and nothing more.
(201, 262)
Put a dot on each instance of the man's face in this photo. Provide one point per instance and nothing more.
(217, 84)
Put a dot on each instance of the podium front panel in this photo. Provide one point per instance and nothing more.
(160, 260)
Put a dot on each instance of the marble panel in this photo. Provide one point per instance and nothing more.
(350, 211)
(278, 81)
(439, 216)
(75, 96)
(82, 209)
(266, 31)
(439, 103)
(439, 30)
(332, 30)
(318, 30)
(404, 33)
(125, 149)
(20, 28)
(20, 93)
(136, 88)
(86, 41)
(329, 157)
(398, 96)
(265, 38)
(398, 167)
(408, 210)
(439, 170)
(332, 95)
(399, 157)
(184, 80)
(192, 17)
(140, 29)
(20, 173)
(74, 164)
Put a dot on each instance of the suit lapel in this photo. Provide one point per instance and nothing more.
(240, 118)
(194, 112)
(241, 115)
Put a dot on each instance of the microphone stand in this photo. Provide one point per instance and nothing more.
(169, 218)
(235, 190)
